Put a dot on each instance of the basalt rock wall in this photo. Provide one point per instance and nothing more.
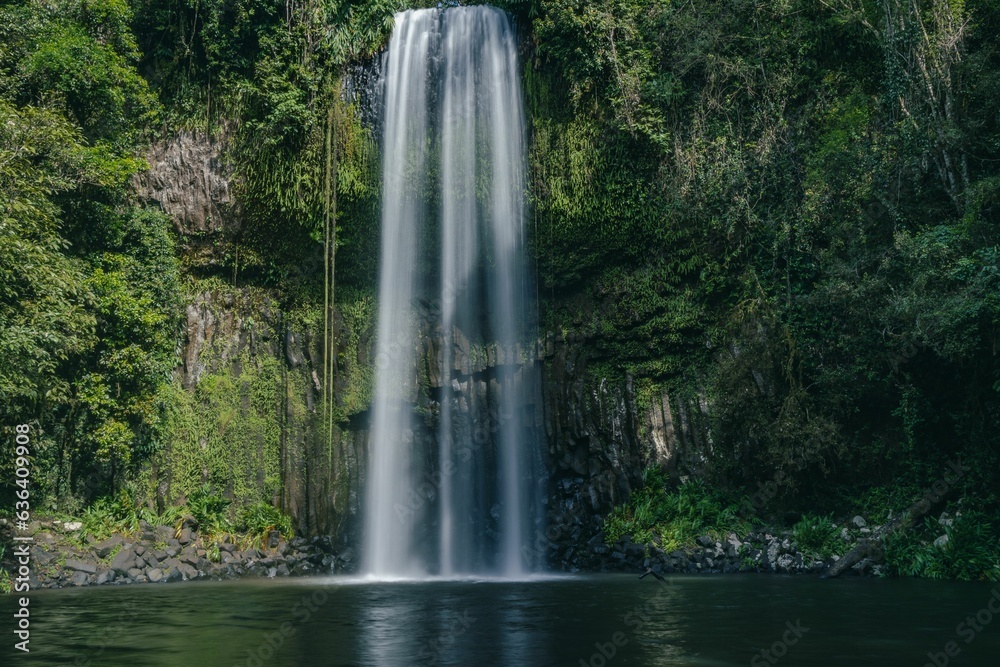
(251, 382)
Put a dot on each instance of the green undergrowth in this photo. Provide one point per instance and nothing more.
(968, 552)
(6, 583)
(227, 432)
(818, 536)
(673, 519)
(216, 516)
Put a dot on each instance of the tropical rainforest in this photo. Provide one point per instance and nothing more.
(789, 208)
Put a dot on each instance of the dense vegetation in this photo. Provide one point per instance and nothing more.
(791, 207)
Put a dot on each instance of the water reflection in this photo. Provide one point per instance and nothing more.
(609, 620)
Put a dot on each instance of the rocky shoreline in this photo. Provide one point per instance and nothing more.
(162, 554)
(761, 551)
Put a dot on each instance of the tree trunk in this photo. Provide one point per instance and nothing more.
(873, 544)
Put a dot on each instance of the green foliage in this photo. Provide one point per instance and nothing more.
(119, 514)
(6, 581)
(209, 509)
(818, 536)
(78, 57)
(225, 433)
(88, 281)
(762, 201)
(43, 293)
(969, 551)
(260, 518)
(673, 519)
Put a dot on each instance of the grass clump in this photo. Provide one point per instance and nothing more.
(261, 518)
(209, 509)
(818, 536)
(969, 552)
(112, 515)
(673, 518)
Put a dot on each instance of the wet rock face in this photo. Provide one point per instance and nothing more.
(188, 178)
(224, 325)
(240, 342)
(597, 434)
(601, 436)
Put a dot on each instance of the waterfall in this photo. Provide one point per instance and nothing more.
(467, 499)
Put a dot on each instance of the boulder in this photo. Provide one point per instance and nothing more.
(123, 560)
(106, 576)
(187, 571)
(80, 566)
(186, 536)
(45, 537)
(218, 571)
(41, 556)
(164, 533)
(859, 522)
(107, 546)
(134, 574)
(154, 574)
(80, 578)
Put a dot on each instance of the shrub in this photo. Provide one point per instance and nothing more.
(673, 518)
(261, 518)
(969, 553)
(817, 535)
(111, 515)
(209, 510)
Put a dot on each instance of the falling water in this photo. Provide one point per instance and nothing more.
(453, 236)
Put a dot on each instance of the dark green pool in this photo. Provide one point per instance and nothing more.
(590, 620)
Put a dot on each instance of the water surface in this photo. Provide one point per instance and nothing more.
(708, 620)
